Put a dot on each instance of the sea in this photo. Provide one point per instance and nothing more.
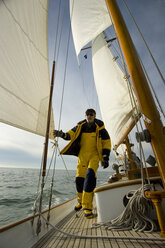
(19, 188)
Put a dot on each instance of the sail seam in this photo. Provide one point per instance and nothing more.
(43, 6)
(26, 103)
(23, 31)
(20, 127)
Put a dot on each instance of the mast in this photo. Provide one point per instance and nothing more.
(147, 105)
(48, 122)
(46, 147)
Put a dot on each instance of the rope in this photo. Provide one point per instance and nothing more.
(161, 109)
(39, 193)
(98, 237)
(134, 106)
(136, 215)
(55, 43)
(61, 105)
(51, 187)
(70, 179)
(60, 32)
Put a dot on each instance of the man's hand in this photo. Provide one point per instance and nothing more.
(57, 133)
(105, 164)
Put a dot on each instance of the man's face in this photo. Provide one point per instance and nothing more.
(90, 117)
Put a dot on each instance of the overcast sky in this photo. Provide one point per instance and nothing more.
(21, 149)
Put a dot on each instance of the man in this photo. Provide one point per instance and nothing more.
(91, 143)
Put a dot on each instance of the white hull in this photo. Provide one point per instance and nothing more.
(109, 199)
(110, 203)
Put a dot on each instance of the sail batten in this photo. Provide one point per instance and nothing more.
(25, 82)
(112, 90)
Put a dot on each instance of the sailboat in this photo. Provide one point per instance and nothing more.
(27, 104)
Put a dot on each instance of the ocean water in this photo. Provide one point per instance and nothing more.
(18, 190)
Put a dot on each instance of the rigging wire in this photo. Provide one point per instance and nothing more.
(157, 67)
(144, 41)
(142, 156)
(62, 25)
(155, 95)
(60, 115)
(38, 194)
(73, 185)
(134, 106)
(58, 19)
(56, 54)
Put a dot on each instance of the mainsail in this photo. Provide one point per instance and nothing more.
(112, 90)
(24, 70)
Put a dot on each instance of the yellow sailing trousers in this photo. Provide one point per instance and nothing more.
(88, 163)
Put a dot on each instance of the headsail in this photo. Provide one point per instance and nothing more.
(88, 19)
(112, 90)
(24, 66)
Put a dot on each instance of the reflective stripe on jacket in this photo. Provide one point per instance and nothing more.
(102, 139)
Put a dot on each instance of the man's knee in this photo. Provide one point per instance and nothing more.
(90, 181)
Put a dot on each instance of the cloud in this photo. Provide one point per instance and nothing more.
(13, 138)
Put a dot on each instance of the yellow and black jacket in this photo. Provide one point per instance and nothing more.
(74, 135)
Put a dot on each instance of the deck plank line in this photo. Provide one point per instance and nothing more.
(77, 230)
(80, 230)
(60, 238)
(93, 231)
(125, 243)
(81, 226)
(83, 241)
(134, 243)
(159, 243)
(97, 232)
(46, 239)
(142, 243)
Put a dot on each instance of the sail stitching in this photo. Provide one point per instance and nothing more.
(26, 34)
(26, 103)
(43, 6)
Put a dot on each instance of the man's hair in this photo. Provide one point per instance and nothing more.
(90, 111)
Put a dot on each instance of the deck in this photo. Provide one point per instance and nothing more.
(76, 224)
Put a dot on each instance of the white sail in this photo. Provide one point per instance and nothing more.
(88, 19)
(114, 99)
(24, 67)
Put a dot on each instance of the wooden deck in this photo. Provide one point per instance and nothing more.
(76, 224)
